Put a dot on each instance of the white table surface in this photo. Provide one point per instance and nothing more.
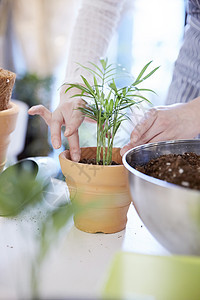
(77, 266)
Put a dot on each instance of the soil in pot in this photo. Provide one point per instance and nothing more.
(180, 169)
(92, 161)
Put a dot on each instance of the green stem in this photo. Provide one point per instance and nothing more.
(98, 154)
(99, 125)
(108, 147)
(104, 128)
(112, 138)
(110, 151)
(104, 148)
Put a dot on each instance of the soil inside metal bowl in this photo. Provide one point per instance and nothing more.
(180, 169)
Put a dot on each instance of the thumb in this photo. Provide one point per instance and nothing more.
(126, 148)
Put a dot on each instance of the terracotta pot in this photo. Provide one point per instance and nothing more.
(102, 190)
(8, 118)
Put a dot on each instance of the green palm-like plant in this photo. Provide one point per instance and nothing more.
(107, 103)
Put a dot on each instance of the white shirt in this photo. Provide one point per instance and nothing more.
(96, 22)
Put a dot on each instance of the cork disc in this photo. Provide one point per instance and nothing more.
(7, 80)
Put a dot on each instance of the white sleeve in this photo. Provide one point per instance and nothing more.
(96, 22)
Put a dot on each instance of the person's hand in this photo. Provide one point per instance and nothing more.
(68, 114)
(177, 121)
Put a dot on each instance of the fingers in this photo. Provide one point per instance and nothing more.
(66, 114)
(56, 123)
(163, 124)
(42, 111)
(75, 120)
(56, 134)
(74, 123)
(143, 126)
(129, 146)
(143, 132)
(74, 147)
(159, 138)
(71, 129)
(126, 148)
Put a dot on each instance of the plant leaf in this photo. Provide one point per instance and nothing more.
(104, 63)
(147, 76)
(142, 72)
(91, 70)
(88, 85)
(19, 189)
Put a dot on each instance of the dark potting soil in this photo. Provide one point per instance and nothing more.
(181, 169)
(92, 161)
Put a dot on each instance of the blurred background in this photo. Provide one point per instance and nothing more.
(34, 43)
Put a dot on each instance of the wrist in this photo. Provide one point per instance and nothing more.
(64, 96)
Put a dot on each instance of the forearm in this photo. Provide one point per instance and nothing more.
(92, 33)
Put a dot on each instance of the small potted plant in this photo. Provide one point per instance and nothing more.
(102, 186)
(8, 112)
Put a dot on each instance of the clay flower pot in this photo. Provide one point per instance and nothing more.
(8, 118)
(102, 191)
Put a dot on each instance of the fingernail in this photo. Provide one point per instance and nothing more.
(67, 131)
(75, 157)
(31, 109)
(56, 144)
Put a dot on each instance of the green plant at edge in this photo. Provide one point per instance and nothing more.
(107, 103)
(19, 190)
(20, 193)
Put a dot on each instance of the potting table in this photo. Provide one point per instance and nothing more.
(77, 266)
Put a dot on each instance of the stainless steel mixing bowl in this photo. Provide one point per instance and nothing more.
(170, 212)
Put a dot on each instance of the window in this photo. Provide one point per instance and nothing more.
(152, 30)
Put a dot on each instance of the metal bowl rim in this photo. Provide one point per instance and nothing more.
(152, 179)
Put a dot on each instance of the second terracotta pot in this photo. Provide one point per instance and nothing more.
(102, 191)
(8, 118)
